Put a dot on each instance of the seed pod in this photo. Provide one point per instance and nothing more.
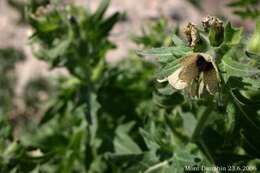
(192, 34)
(214, 26)
(194, 39)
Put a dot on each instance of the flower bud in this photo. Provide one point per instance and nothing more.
(194, 39)
(214, 26)
(192, 34)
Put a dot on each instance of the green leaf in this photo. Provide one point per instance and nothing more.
(234, 68)
(232, 36)
(101, 10)
(253, 55)
(46, 24)
(247, 13)
(51, 112)
(189, 123)
(251, 84)
(166, 52)
(180, 161)
(245, 8)
(123, 143)
(178, 41)
(167, 90)
(168, 69)
(230, 118)
(248, 109)
(136, 163)
(75, 140)
(55, 51)
(150, 139)
(254, 42)
(169, 57)
(149, 162)
(108, 24)
(159, 52)
(238, 3)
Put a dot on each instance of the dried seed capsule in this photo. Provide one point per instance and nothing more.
(194, 38)
(214, 26)
(192, 34)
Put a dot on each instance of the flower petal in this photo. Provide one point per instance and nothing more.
(213, 61)
(189, 59)
(202, 91)
(210, 80)
(192, 89)
(207, 57)
(189, 72)
(175, 81)
(162, 80)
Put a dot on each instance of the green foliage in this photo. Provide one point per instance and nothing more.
(8, 58)
(232, 36)
(73, 28)
(245, 8)
(169, 57)
(105, 118)
(154, 34)
(254, 42)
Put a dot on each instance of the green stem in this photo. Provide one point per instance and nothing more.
(201, 124)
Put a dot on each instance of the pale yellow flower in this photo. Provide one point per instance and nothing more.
(197, 74)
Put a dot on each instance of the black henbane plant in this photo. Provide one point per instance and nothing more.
(218, 79)
(111, 119)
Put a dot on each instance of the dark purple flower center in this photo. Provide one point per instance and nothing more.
(203, 65)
